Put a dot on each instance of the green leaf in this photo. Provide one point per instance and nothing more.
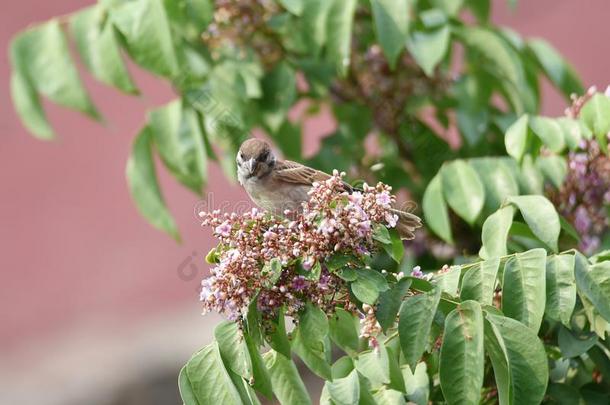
(523, 287)
(594, 282)
(396, 248)
(279, 93)
(596, 116)
(462, 359)
(346, 390)
(572, 131)
(205, 379)
(148, 40)
(142, 181)
(560, 288)
(285, 380)
(463, 189)
(386, 396)
(294, 6)
(573, 345)
(389, 303)
(365, 290)
(498, 181)
(518, 359)
(554, 168)
(450, 7)
(339, 33)
(391, 19)
(233, 348)
(417, 383)
(481, 9)
(314, 18)
(272, 270)
(448, 281)
(28, 106)
(309, 341)
(278, 339)
(497, 53)
(99, 49)
(479, 282)
(516, 138)
(41, 58)
(262, 381)
(180, 142)
(374, 365)
(246, 393)
(541, 216)
(344, 329)
(495, 232)
(415, 320)
(435, 210)
(549, 132)
(429, 47)
(561, 74)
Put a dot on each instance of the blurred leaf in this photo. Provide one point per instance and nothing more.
(294, 6)
(549, 132)
(429, 47)
(142, 181)
(339, 32)
(554, 168)
(498, 181)
(285, 380)
(392, 26)
(99, 49)
(516, 138)
(462, 358)
(519, 361)
(374, 365)
(343, 330)
(205, 378)
(145, 28)
(415, 320)
(523, 287)
(596, 116)
(435, 210)
(560, 288)
(463, 189)
(279, 93)
(314, 19)
(561, 74)
(450, 7)
(42, 64)
(481, 9)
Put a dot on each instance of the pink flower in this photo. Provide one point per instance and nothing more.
(223, 229)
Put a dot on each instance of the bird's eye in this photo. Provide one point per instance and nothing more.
(263, 156)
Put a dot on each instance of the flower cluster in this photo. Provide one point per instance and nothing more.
(281, 262)
(584, 197)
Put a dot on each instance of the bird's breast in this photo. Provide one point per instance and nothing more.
(275, 196)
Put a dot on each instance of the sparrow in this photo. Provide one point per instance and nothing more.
(279, 185)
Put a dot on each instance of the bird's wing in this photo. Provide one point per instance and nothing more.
(296, 173)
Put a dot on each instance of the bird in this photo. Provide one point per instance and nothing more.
(281, 186)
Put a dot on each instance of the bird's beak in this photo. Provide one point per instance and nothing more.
(251, 165)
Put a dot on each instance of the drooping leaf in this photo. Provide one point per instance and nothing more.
(99, 49)
(278, 339)
(498, 181)
(42, 64)
(262, 381)
(560, 288)
(478, 283)
(339, 32)
(596, 116)
(541, 217)
(429, 47)
(523, 287)
(233, 348)
(28, 106)
(145, 27)
(246, 393)
(279, 93)
(346, 390)
(554, 168)
(392, 26)
(594, 282)
(205, 378)
(343, 330)
(417, 383)
(561, 74)
(435, 210)
(516, 138)
(463, 189)
(549, 132)
(415, 320)
(142, 181)
(518, 359)
(287, 384)
(462, 358)
(314, 18)
(386, 396)
(495, 232)
(389, 303)
(309, 341)
(448, 281)
(574, 344)
(374, 365)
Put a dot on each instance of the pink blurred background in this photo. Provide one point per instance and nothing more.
(92, 298)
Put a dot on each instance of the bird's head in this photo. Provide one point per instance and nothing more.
(254, 159)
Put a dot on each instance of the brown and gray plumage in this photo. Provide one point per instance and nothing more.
(280, 185)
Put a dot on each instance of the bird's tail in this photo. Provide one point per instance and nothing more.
(407, 221)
